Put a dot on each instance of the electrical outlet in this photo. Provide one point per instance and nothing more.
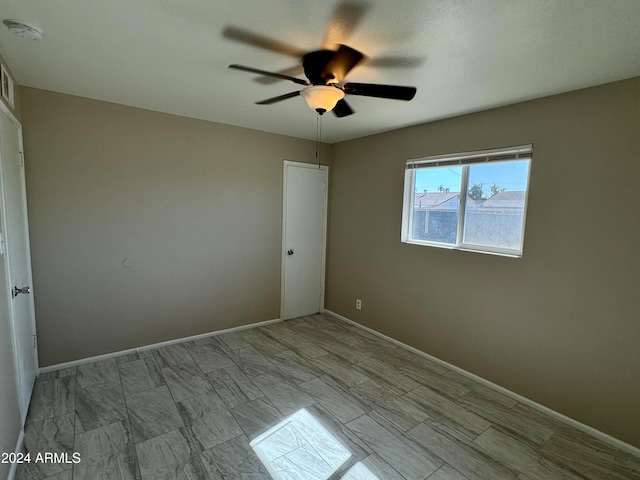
(358, 304)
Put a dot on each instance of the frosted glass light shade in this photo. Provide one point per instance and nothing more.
(322, 97)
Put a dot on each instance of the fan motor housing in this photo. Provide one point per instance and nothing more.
(314, 64)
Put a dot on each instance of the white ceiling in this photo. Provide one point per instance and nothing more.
(463, 55)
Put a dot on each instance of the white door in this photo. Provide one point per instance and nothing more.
(15, 247)
(304, 238)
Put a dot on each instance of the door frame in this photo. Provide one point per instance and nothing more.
(325, 168)
(17, 351)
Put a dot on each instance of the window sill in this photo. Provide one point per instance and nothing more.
(465, 248)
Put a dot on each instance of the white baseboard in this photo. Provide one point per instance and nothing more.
(14, 466)
(107, 356)
(614, 442)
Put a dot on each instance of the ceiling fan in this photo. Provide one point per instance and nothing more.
(325, 69)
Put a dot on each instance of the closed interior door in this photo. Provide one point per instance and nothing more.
(17, 258)
(304, 239)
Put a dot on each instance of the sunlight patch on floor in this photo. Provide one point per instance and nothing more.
(359, 472)
(299, 448)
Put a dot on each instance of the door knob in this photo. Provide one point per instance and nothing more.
(17, 291)
(290, 252)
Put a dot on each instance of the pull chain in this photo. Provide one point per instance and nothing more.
(318, 137)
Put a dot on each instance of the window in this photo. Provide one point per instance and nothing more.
(469, 201)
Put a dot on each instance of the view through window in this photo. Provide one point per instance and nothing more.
(474, 201)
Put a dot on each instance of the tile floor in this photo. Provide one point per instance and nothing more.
(201, 410)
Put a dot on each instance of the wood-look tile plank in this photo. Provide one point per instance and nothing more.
(233, 340)
(234, 459)
(208, 420)
(342, 350)
(337, 347)
(130, 357)
(463, 456)
(152, 413)
(586, 455)
(119, 466)
(52, 398)
(256, 417)
(524, 428)
(447, 411)
(99, 405)
(62, 372)
(171, 355)
(285, 397)
(140, 375)
(106, 453)
(277, 330)
(55, 434)
(340, 370)
(327, 321)
(402, 453)
(371, 468)
(293, 367)
(219, 345)
(233, 386)
(302, 346)
(447, 472)
(358, 448)
(481, 391)
(208, 357)
(397, 410)
(437, 382)
(96, 373)
(251, 362)
(261, 342)
(509, 451)
(185, 380)
(341, 404)
(170, 456)
(403, 358)
(386, 375)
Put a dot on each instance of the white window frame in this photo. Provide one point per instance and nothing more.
(464, 159)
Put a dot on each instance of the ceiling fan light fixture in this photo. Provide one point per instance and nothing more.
(322, 98)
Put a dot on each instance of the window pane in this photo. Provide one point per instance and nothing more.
(495, 204)
(436, 203)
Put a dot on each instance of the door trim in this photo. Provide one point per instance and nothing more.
(291, 163)
(17, 350)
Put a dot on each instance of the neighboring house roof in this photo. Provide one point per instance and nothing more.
(507, 199)
(432, 199)
(503, 200)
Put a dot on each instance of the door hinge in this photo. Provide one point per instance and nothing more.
(22, 159)
(35, 341)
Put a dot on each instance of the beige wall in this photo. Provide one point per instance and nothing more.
(560, 325)
(194, 207)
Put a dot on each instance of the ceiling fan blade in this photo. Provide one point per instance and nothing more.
(341, 62)
(344, 20)
(292, 71)
(269, 101)
(395, 62)
(269, 74)
(260, 41)
(394, 92)
(342, 109)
